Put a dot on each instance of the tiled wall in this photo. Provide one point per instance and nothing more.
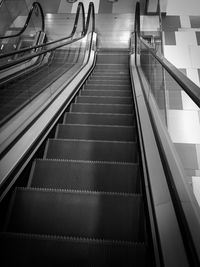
(181, 27)
(182, 43)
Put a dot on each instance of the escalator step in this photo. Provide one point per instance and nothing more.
(102, 108)
(105, 92)
(107, 78)
(112, 67)
(107, 87)
(99, 119)
(112, 59)
(111, 216)
(108, 82)
(38, 250)
(91, 150)
(112, 74)
(94, 132)
(104, 100)
(85, 175)
(111, 71)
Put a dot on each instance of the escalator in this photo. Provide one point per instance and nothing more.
(84, 201)
(96, 188)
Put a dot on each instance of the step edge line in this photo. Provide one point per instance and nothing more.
(91, 162)
(99, 125)
(76, 239)
(74, 191)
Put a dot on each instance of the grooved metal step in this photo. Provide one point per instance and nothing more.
(41, 250)
(94, 132)
(111, 77)
(108, 82)
(111, 72)
(114, 92)
(91, 150)
(108, 74)
(85, 175)
(112, 59)
(102, 108)
(99, 119)
(112, 67)
(107, 87)
(59, 212)
(104, 100)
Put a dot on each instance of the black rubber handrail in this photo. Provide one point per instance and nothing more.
(91, 13)
(34, 7)
(80, 8)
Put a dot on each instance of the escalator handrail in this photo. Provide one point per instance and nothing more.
(81, 9)
(35, 5)
(91, 14)
(186, 84)
(186, 206)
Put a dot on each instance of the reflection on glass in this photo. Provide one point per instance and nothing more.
(155, 75)
(180, 115)
(39, 75)
(15, 16)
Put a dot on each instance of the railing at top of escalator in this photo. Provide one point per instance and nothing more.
(35, 8)
(57, 43)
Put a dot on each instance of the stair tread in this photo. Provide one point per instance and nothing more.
(109, 76)
(115, 151)
(99, 119)
(105, 92)
(64, 251)
(104, 100)
(114, 89)
(101, 215)
(93, 132)
(102, 108)
(85, 175)
(108, 82)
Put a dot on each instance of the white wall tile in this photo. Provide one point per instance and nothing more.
(198, 158)
(184, 126)
(185, 38)
(187, 102)
(195, 56)
(149, 23)
(183, 7)
(178, 55)
(185, 21)
(193, 75)
(196, 187)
